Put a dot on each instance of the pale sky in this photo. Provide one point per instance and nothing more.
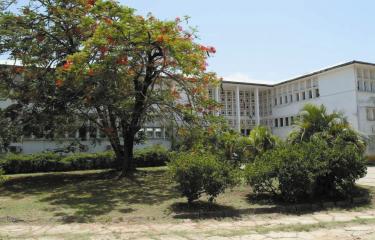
(273, 40)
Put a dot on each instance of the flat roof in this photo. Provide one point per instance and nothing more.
(304, 75)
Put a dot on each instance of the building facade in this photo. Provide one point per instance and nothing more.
(347, 87)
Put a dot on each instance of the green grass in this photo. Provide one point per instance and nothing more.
(99, 196)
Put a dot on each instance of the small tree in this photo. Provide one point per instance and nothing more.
(313, 119)
(261, 140)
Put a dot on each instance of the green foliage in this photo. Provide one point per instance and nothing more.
(260, 140)
(156, 155)
(9, 130)
(52, 162)
(218, 138)
(322, 158)
(2, 177)
(314, 119)
(198, 173)
(100, 62)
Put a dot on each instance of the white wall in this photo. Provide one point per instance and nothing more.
(34, 146)
(337, 92)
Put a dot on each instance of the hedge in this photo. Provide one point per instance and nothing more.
(52, 162)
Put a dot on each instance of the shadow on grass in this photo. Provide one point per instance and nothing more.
(201, 210)
(88, 195)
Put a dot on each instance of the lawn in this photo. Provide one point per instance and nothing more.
(98, 196)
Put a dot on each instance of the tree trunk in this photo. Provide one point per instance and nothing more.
(128, 162)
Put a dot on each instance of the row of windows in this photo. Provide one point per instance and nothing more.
(300, 96)
(366, 85)
(363, 73)
(284, 122)
(89, 132)
(296, 91)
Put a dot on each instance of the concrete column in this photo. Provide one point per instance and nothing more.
(257, 117)
(238, 109)
(217, 99)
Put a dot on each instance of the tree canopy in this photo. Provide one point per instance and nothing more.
(100, 62)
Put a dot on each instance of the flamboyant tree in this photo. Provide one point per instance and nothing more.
(102, 63)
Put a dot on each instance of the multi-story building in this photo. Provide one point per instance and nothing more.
(347, 87)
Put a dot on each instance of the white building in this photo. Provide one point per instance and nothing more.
(347, 87)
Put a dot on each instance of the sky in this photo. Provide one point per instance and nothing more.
(269, 41)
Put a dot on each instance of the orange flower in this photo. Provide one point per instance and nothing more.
(160, 38)
(91, 2)
(122, 61)
(67, 64)
(203, 48)
(110, 40)
(90, 72)
(59, 82)
(203, 67)
(108, 20)
(175, 93)
(19, 69)
(211, 49)
(103, 50)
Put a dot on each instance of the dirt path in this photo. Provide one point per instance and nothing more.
(321, 225)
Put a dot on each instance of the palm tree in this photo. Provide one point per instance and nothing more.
(315, 119)
(261, 139)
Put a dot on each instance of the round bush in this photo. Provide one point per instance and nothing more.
(198, 173)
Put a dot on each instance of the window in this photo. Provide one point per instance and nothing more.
(276, 122)
(370, 114)
(297, 97)
(281, 122)
(83, 133)
(360, 85)
(303, 96)
(317, 94)
(92, 132)
(310, 94)
(291, 120)
(150, 133)
(286, 121)
(286, 99)
(72, 133)
(365, 87)
(281, 100)
(291, 97)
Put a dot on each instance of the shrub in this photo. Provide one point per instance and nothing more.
(40, 162)
(85, 161)
(346, 164)
(308, 169)
(260, 140)
(156, 155)
(198, 173)
(52, 162)
(2, 178)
